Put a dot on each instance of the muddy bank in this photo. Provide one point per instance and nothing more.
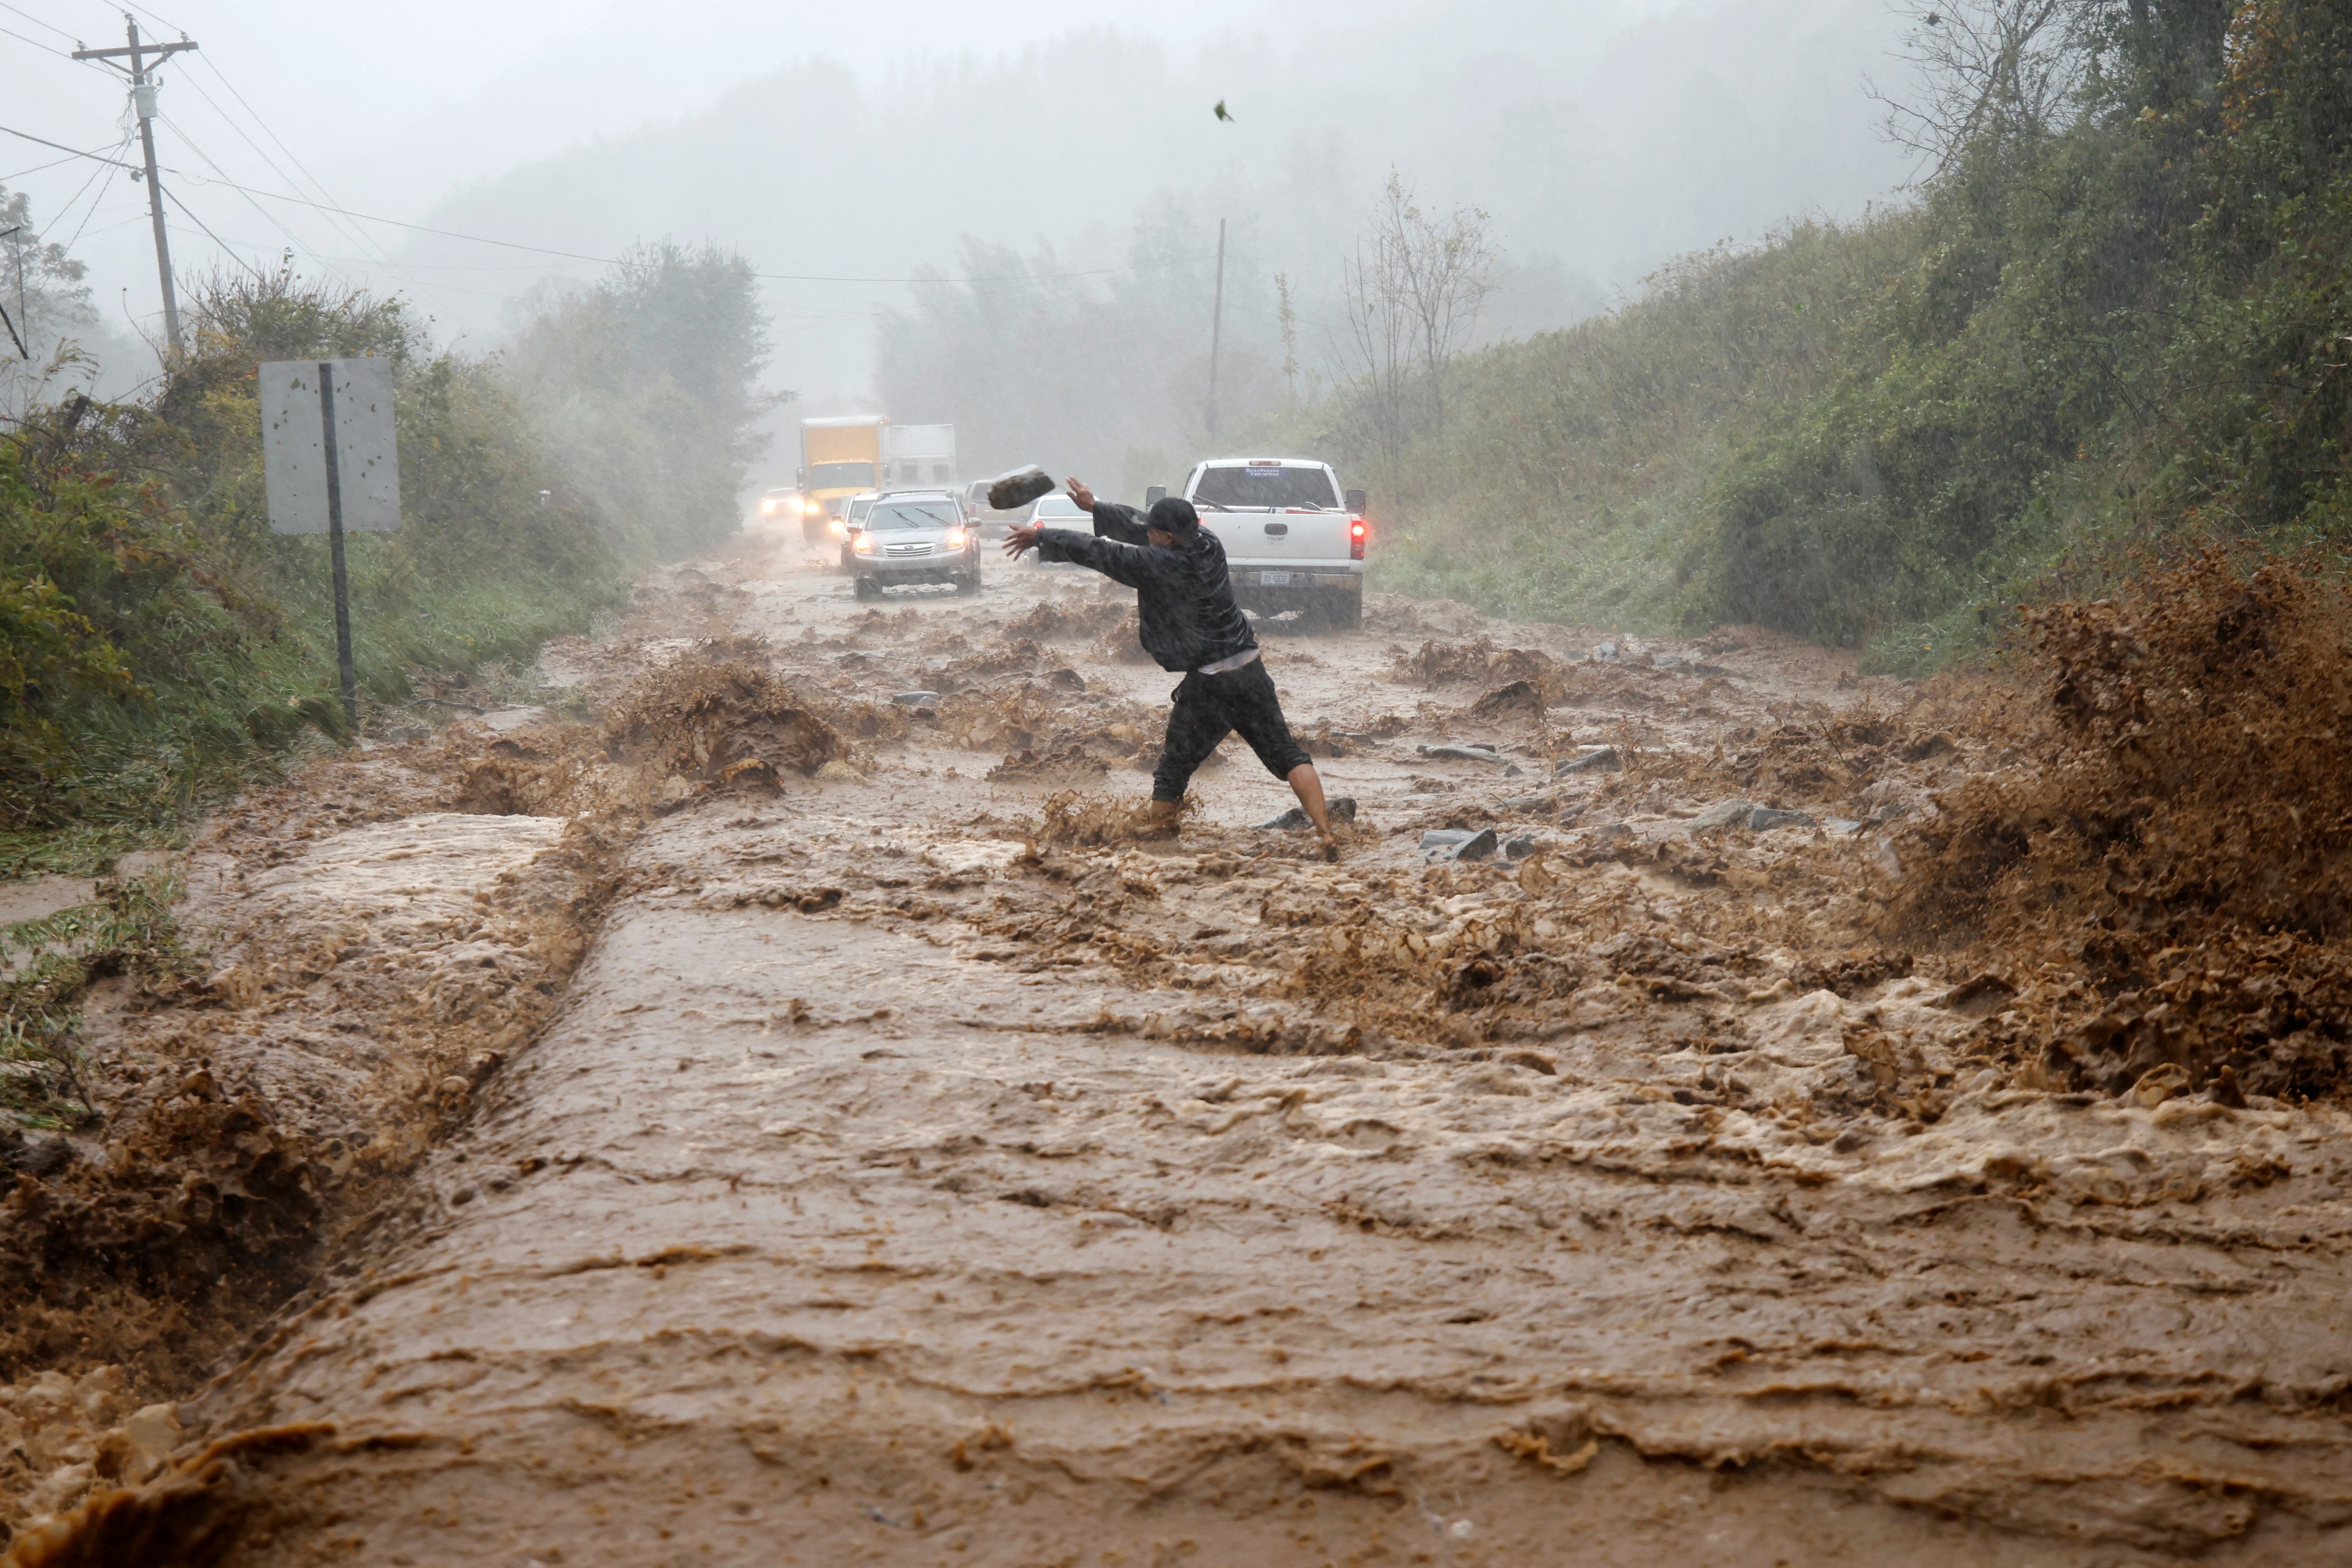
(916, 1169)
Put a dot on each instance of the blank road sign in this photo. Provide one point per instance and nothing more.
(293, 445)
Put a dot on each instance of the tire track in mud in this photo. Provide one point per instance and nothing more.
(898, 1184)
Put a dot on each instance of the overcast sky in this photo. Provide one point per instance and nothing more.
(1667, 125)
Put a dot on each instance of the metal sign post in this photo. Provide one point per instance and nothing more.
(333, 463)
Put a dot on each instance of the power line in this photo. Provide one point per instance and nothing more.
(292, 237)
(573, 255)
(39, 22)
(36, 168)
(291, 156)
(95, 177)
(181, 203)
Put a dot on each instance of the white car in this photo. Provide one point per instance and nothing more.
(1293, 539)
(1054, 511)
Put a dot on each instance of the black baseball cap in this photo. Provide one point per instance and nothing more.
(1171, 514)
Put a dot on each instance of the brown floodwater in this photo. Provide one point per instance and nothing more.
(904, 1179)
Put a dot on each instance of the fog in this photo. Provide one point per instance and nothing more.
(841, 151)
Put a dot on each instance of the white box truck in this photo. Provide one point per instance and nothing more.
(919, 456)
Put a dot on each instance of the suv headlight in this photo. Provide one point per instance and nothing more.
(864, 544)
(956, 538)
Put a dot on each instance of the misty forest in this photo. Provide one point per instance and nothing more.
(1733, 947)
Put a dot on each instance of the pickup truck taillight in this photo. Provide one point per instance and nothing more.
(1357, 532)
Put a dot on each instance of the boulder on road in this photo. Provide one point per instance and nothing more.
(1723, 814)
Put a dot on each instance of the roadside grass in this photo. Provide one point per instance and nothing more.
(46, 966)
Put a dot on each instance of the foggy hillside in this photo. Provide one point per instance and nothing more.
(1598, 157)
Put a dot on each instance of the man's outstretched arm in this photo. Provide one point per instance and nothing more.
(1113, 519)
(1137, 566)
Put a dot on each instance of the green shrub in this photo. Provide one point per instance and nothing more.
(2122, 331)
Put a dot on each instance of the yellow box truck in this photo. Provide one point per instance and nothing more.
(840, 457)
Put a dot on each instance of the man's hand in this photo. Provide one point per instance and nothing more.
(1019, 543)
(1082, 495)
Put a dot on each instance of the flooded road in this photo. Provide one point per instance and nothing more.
(919, 1170)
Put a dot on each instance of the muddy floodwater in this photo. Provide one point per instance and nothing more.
(911, 1166)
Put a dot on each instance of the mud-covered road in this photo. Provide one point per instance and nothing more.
(918, 1170)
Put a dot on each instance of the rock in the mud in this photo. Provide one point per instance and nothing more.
(1459, 754)
(1340, 809)
(1610, 833)
(836, 771)
(1669, 661)
(1841, 827)
(1723, 814)
(1607, 654)
(1764, 819)
(1067, 681)
(1457, 844)
(1009, 492)
(916, 699)
(1517, 698)
(1600, 759)
(1530, 804)
(144, 1444)
(40, 1157)
(1520, 847)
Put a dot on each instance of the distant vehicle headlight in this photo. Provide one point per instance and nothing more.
(838, 527)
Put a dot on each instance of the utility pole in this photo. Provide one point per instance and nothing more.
(143, 99)
(1216, 328)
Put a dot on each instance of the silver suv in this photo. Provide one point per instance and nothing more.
(914, 536)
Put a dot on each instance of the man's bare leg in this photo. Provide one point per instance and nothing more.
(1307, 785)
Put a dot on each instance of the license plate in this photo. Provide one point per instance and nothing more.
(1273, 579)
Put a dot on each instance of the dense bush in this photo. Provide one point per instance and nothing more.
(2119, 327)
(158, 645)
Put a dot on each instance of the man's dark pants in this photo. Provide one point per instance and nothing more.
(1208, 708)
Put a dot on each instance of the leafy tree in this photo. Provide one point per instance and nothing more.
(645, 385)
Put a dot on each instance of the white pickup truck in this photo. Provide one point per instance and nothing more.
(1293, 539)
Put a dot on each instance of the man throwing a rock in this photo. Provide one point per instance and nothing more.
(1185, 600)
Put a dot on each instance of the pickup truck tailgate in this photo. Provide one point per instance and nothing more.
(1276, 538)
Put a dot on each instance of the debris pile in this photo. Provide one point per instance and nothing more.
(2173, 834)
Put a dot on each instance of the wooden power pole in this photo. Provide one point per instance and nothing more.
(1216, 328)
(142, 56)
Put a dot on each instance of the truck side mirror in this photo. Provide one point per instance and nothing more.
(1153, 494)
(1356, 502)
